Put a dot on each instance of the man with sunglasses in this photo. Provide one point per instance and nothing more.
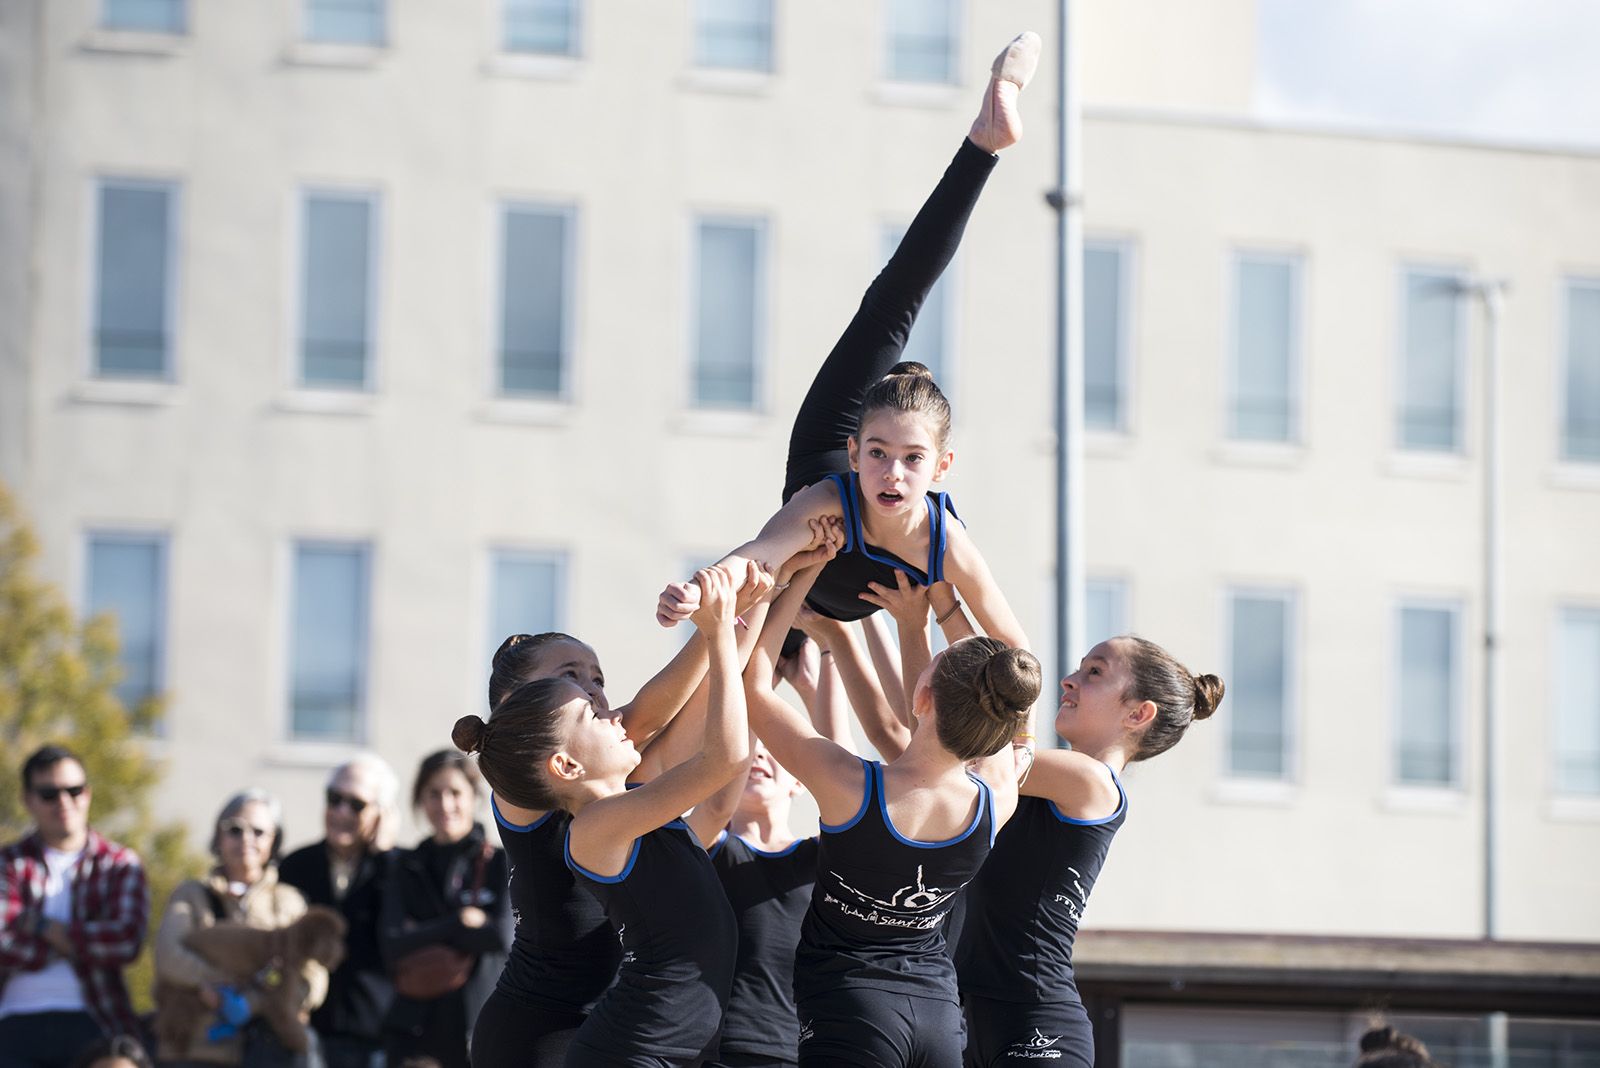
(73, 908)
(348, 870)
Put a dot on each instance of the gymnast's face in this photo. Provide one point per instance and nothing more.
(769, 782)
(570, 659)
(594, 745)
(1094, 705)
(897, 458)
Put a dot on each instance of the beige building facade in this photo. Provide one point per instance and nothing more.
(333, 349)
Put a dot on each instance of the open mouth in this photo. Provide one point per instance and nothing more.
(889, 498)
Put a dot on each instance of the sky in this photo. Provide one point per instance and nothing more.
(1526, 71)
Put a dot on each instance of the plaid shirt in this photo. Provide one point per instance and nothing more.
(110, 906)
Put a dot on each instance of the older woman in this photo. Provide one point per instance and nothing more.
(348, 871)
(450, 891)
(243, 888)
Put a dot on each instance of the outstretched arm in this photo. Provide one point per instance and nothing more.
(908, 604)
(1081, 787)
(885, 730)
(831, 772)
(965, 567)
(603, 831)
(788, 532)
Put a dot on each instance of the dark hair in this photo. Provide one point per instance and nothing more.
(984, 690)
(125, 1047)
(909, 387)
(1180, 698)
(445, 760)
(513, 662)
(44, 758)
(1384, 1047)
(793, 642)
(235, 804)
(519, 737)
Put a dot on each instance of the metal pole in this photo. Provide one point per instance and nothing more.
(1067, 200)
(1491, 292)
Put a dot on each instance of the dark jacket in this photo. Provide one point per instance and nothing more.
(420, 910)
(359, 991)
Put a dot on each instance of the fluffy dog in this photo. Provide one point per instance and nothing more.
(268, 964)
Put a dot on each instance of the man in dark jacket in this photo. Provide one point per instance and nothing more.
(349, 870)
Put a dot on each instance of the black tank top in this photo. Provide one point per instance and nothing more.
(837, 590)
(678, 945)
(877, 913)
(769, 893)
(1024, 907)
(565, 953)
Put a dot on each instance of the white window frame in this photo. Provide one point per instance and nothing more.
(760, 400)
(1402, 356)
(958, 49)
(313, 396)
(174, 277)
(134, 532)
(549, 552)
(1235, 786)
(1128, 249)
(1565, 803)
(102, 25)
(385, 30)
(1408, 794)
(1296, 262)
(1566, 283)
(734, 75)
(319, 750)
(494, 390)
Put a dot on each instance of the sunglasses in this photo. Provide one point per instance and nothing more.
(50, 794)
(238, 829)
(349, 801)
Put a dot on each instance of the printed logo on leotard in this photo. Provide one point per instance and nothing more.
(910, 907)
(1037, 1048)
(1075, 907)
(805, 1031)
(627, 954)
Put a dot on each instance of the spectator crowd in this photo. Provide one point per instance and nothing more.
(346, 953)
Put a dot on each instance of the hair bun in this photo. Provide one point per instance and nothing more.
(1377, 1038)
(1208, 690)
(1009, 682)
(912, 368)
(468, 734)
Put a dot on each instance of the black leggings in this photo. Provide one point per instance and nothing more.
(514, 1034)
(1002, 1033)
(876, 337)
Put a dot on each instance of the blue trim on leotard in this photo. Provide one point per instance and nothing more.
(520, 828)
(866, 799)
(848, 485)
(985, 803)
(1122, 804)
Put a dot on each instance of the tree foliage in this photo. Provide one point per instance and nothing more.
(57, 684)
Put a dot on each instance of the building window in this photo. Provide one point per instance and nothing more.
(336, 291)
(128, 580)
(1432, 362)
(733, 34)
(1260, 674)
(728, 312)
(134, 279)
(1577, 705)
(535, 300)
(1105, 610)
(1427, 710)
(541, 27)
(923, 40)
(1580, 408)
(150, 16)
(351, 22)
(1264, 387)
(527, 593)
(1105, 334)
(929, 343)
(328, 642)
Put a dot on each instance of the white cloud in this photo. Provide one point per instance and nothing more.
(1526, 71)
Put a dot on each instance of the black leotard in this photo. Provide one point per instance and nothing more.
(678, 944)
